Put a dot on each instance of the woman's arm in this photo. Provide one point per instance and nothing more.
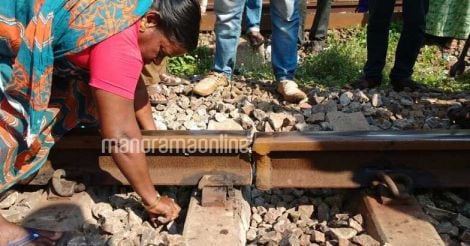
(143, 110)
(116, 115)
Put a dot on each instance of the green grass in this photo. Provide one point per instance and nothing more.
(198, 61)
(338, 65)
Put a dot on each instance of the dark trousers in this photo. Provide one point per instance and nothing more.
(411, 39)
(319, 27)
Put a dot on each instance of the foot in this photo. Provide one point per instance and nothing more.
(171, 80)
(210, 83)
(255, 38)
(290, 91)
(410, 85)
(11, 234)
(318, 46)
(155, 95)
(457, 69)
(460, 115)
(364, 83)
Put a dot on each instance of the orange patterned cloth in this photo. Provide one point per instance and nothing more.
(43, 95)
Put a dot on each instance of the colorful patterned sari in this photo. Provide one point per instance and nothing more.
(42, 95)
(448, 18)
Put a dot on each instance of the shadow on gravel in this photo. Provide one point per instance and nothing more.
(69, 219)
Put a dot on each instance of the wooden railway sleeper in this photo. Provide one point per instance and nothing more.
(393, 186)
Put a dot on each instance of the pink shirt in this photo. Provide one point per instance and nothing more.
(115, 64)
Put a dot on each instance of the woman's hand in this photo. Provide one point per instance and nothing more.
(166, 208)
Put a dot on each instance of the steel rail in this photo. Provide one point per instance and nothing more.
(174, 158)
(302, 160)
(342, 15)
(353, 159)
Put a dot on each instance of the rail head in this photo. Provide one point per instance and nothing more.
(195, 140)
(265, 143)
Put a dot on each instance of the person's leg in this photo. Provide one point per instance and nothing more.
(319, 28)
(151, 72)
(380, 15)
(150, 76)
(227, 33)
(302, 17)
(11, 234)
(411, 39)
(253, 10)
(285, 27)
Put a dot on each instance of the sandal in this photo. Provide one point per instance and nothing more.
(460, 115)
(155, 95)
(172, 80)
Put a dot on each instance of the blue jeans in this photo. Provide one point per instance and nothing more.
(285, 26)
(285, 29)
(253, 10)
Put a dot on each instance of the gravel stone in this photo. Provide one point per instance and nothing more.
(9, 201)
(448, 228)
(355, 225)
(306, 210)
(365, 240)
(257, 218)
(259, 114)
(318, 237)
(272, 236)
(290, 240)
(316, 117)
(462, 222)
(251, 235)
(466, 209)
(376, 100)
(220, 117)
(101, 210)
(453, 198)
(277, 120)
(323, 212)
(358, 218)
(112, 224)
(361, 96)
(343, 233)
(465, 236)
(228, 124)
(439, 214)
(304, 240)
(346, 98)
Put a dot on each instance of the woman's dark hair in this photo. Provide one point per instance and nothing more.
(180, 20)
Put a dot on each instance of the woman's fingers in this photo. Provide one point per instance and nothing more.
(165, 212)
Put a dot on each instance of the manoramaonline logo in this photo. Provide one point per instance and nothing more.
(223, 144)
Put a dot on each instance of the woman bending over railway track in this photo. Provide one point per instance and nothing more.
(65, 62)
